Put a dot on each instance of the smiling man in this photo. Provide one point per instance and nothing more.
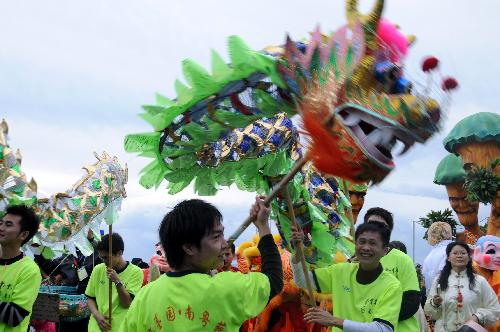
(20, 277)
(188, 298)
(401, 266)
(365, 297)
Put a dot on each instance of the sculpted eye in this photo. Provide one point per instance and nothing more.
(490, 252)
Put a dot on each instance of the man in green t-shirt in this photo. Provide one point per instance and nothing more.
(188, 298)
(365, 297)
(20, 277)
(127, 280)
(401, 266)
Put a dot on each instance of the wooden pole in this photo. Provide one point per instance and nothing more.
(282, 184)
(110, 266)
(299, 250)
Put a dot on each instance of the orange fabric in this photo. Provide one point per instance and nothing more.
(324, 149)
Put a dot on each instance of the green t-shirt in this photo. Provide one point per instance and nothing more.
(98, 288)
(380, 299)
(401, 266)
(19, 283)
(198, 302)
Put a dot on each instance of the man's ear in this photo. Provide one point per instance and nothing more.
(190, 249)
(119, 253)
(23, 235)
(386, 250)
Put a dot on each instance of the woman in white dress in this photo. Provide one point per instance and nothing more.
(458, 294)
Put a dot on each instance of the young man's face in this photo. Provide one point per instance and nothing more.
(228, 257)
(10, 230)
(369, 249)
(115, 258)
(211, 251)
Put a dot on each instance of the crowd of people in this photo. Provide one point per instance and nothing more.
(378, 289)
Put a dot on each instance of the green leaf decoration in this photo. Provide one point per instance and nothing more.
(205, 184)
(240, 53)
(199, 79)
(153, 174)
(181, 175)
(164, 101)
(184, 94)
(267, 65)
(174, 188)
(235, 120)
(220, 69)
(154, 110)
(482, 184)
(183, 162)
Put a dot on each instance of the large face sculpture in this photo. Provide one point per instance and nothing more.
(357, 193)
(477, 140)
(487, 252)
(465, 210)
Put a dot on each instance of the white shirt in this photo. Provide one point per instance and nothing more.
(480, 301)
(434, 263)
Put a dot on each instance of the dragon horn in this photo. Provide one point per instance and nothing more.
(374, 16)
(370, 21)
(352, 12)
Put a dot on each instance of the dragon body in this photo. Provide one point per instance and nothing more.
(65, 217)
(235, 125)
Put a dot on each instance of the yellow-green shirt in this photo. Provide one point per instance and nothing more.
(98, 288)
(379, 300)
(401, 266)
(19, 283)
(198, 302)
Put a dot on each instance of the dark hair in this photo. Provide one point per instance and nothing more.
(29, 220)
(136, 261)
(398, 245)
(383, 213)
(140, 263)
(445, 272)
(187, 223)
(376, 227)
(116, 241)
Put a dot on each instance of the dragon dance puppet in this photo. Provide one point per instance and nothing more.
(234, 126)
(65, 217)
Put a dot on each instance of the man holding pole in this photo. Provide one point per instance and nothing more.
(188, 298)
(365, 297)
(401, 266)
(126, 279)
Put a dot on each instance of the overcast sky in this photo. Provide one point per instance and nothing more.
(74, 74)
